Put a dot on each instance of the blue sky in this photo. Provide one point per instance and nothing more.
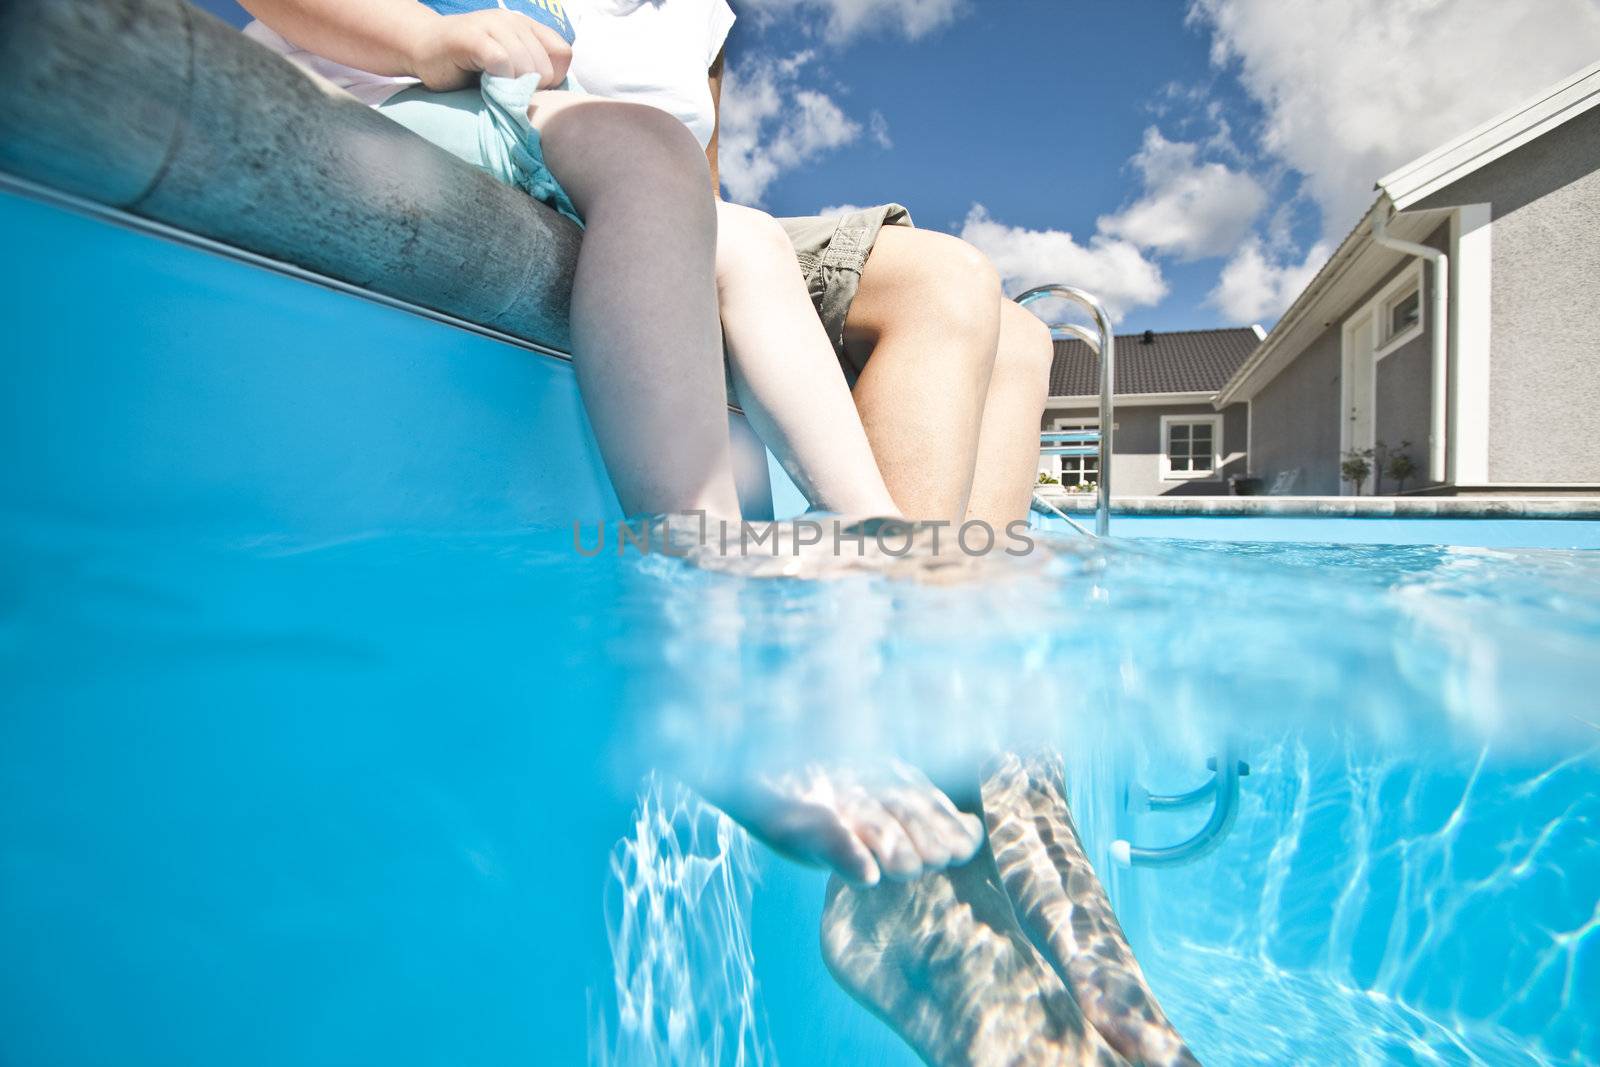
(1033, 110)
(1194, 161)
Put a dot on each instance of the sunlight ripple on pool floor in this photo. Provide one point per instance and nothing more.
(1382, 910)
(678, 920)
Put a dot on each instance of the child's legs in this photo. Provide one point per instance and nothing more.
(644, 305)
(646, 340)
(647, 344)
(784, 370)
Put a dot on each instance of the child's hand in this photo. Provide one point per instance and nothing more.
(451, 50)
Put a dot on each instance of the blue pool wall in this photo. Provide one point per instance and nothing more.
(154, 384)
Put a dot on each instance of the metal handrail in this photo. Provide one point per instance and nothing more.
(1058, 513)
(1141, 800)
(1223, 788)
(1103, 345)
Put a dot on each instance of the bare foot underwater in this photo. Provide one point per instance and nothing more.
(886, 822)
(974, 951)
(944, 963)
(1015, 958)
(1063, 907)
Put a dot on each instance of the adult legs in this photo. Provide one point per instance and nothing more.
(944, 963)
(928, 313)
(646, 337)
(941, 957)
(1064, 908)
(955, 378)
(1008, 443)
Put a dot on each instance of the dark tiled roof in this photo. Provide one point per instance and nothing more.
(1184, 361)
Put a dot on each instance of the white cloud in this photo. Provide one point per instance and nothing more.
(844, 19)
(1113, 269)
(838, 209)
(1189, 208)
(770, 125)
(878, 130)
(1353, 89)
(1254, 287)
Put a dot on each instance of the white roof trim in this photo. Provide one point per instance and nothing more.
(1498, 137)
(1229, 393)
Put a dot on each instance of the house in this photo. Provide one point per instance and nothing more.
(1494, 377)
(1170, 438)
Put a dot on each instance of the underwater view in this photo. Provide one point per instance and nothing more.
(439, 797)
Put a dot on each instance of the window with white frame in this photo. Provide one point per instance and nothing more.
(1400, 317)
(1190, 446)
(1076, 470)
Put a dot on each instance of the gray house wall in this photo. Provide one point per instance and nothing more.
(1404, 378)
(1235, 442)
(1297, 417)
(1294, 421)
(1544, 371)
(1136, 459)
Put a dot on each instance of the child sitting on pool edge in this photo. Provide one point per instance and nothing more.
(665, 272)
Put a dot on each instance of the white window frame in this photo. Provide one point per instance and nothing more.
(1073, 422)
(1383, 311)
(1212, 475)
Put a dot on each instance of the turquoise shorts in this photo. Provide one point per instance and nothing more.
(489, 128)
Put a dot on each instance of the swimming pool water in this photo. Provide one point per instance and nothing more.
(389, 799)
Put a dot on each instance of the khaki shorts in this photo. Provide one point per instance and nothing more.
(832, 249)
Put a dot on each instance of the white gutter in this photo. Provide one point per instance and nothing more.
(1439, 331)
(1089, 400)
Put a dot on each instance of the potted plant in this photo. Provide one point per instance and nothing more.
(1357, 467)
(1401, 467)
(1046, 478)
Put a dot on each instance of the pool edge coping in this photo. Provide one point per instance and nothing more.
(1335, 507)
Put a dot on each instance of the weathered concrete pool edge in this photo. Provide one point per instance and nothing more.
(1338, 507)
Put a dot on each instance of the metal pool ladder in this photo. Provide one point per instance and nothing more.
(1222, 790)
(1084, 442)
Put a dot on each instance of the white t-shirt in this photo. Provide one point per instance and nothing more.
(654, 52)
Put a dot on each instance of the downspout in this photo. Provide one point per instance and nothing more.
(1438, 330)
